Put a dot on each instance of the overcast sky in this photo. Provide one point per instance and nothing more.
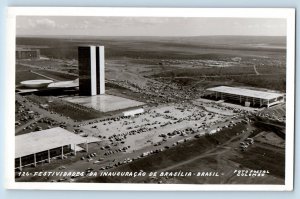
(148, 26)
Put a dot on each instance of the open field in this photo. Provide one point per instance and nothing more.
(233, 55)
(151, 47)
(26, 75)
(271, 138)
(276, 112)
(22, 75)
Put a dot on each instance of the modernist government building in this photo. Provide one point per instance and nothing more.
(91, 70)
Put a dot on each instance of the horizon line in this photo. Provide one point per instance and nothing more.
(150, 36)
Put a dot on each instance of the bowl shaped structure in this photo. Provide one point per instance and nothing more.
(37, 83)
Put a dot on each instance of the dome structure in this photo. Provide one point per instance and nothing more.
(37, 83)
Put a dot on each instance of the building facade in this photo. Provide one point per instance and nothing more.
(91, 70)
(42, 146)
(245, 96)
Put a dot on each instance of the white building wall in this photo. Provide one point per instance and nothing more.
(102, 70)
(93, 71)
(133, 112)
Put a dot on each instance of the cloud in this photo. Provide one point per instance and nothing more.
(42, 23)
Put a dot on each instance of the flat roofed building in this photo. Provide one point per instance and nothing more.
(246, 96)
(38, 146)
(91, 70)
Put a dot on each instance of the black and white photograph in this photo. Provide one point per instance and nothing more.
(152, 99)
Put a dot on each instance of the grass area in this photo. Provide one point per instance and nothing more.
(259, 158)
(57, 75)
(274, 82)
(74, 111)
(26, 75)
(270, 77)
(21, 68)
(196, 72)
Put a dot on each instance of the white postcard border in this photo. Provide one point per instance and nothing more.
(12, 12)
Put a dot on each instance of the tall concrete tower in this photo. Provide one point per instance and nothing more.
(91, 70)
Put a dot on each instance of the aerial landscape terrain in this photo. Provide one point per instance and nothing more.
(182, 133)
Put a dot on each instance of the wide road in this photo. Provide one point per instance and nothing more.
(43, 75)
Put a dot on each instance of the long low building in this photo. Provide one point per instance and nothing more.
(133, 112)
(39, 146)
(245, 96)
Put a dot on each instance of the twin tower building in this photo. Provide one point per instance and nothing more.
(91, 70)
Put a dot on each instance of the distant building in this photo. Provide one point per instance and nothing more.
(133, 112)
(91, 70)
(247, 97)
(27, 53)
